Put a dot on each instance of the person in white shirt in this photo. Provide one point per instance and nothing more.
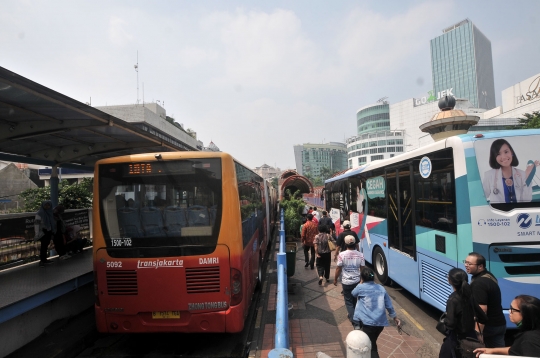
(349, 264)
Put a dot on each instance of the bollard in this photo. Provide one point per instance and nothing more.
(358, 345)
(280, 353)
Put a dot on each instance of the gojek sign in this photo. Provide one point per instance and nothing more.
(431, 97)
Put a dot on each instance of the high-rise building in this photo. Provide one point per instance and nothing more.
(462, 64)
(312, 158)
(375, 140)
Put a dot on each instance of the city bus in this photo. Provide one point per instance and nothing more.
(179, 242)
(426, 209)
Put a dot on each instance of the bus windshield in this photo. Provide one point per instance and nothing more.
(160, 209)
(508, 168)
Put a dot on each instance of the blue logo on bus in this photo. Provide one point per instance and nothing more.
(425, 167)
(524, 221)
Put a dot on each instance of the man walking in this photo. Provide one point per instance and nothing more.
(487, 294)
(325, 220)
(309, 231)
(340, 242)
(349, 264)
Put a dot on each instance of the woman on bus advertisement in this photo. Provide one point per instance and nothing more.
(505, 183)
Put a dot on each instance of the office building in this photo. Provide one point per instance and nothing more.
(375, 140)
(312, 158)
(461, 63)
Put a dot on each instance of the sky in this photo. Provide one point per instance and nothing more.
(256, 77)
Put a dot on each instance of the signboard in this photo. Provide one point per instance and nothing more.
(425, 167)
(431, 97)
(375, 187)
(532, 93)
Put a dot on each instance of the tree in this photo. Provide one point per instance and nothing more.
(292, 205)
(530, 121)
(73, 196)
(274, 182)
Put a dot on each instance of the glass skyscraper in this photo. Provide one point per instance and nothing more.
(461, 62)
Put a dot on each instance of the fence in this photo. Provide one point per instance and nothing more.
(17, 245)
(281, 349)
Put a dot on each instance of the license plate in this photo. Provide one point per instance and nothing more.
(165, 314)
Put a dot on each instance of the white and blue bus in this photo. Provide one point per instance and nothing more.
(428, 208)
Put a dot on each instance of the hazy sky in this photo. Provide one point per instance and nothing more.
(256, 77)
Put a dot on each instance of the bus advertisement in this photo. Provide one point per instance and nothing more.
(427, 209)
(179, 242)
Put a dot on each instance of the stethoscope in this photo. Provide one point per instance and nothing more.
(514, 174)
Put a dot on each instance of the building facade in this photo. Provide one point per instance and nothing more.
(374, 140)
(461, 61)
(267, 172)
(311, 158)
(521, 98)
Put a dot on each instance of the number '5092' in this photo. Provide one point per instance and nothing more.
(114, 264)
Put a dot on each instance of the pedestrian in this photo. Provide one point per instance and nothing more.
(302, 226)
(323, 252)
(74, 242)
(487, 294)
(370, 311)
(44, 228)
(349, 264)
(326, 220)
(316, 214)
(58, 237)
(340, 242)
(309, 231)
(461, 309)
(305, 210)
(524, 313)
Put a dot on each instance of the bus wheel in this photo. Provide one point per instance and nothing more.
(380, 265)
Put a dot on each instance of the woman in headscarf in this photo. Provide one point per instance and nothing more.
(44, 228)
(58, 238)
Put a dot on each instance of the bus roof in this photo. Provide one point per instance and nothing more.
(468, 137)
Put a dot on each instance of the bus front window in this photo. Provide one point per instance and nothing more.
(167, 208)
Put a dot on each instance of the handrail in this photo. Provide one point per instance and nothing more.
(282, 313)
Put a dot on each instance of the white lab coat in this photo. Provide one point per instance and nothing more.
(493, 180)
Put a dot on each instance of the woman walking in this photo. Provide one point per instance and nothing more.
(323, 252)
(461, 311)
(373, 302)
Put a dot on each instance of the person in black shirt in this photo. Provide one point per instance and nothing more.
(460, 313)
(487, 294)
(325, 220)
(525, 313)
(340, 242)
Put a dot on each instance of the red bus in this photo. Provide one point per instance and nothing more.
(179, 241)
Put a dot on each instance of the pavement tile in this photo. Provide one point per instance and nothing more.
(309, 295)
(327, 303)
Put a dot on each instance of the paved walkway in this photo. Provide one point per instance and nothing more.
(318, 320)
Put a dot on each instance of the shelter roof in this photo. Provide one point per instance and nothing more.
(41, 126)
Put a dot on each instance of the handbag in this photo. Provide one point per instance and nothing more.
(468, 345)
(331, 245)
(441, 327)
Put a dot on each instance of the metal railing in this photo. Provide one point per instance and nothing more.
(282, 303)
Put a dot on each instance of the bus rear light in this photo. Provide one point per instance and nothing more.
(236, 287)
(114, 326)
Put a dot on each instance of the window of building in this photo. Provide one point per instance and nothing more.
(381, 150)
(399, 149)
(362, 160)
(377, 157)
(373, 151)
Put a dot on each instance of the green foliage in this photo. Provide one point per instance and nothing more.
(73, 196)
(530, 121)
(325, 174)
(292, 206)
(274, 182)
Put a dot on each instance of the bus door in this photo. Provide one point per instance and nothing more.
(402, 264)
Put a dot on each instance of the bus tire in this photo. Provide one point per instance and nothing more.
(380, 265)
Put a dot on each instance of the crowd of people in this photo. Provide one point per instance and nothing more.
(473, 311)
(49, 225)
